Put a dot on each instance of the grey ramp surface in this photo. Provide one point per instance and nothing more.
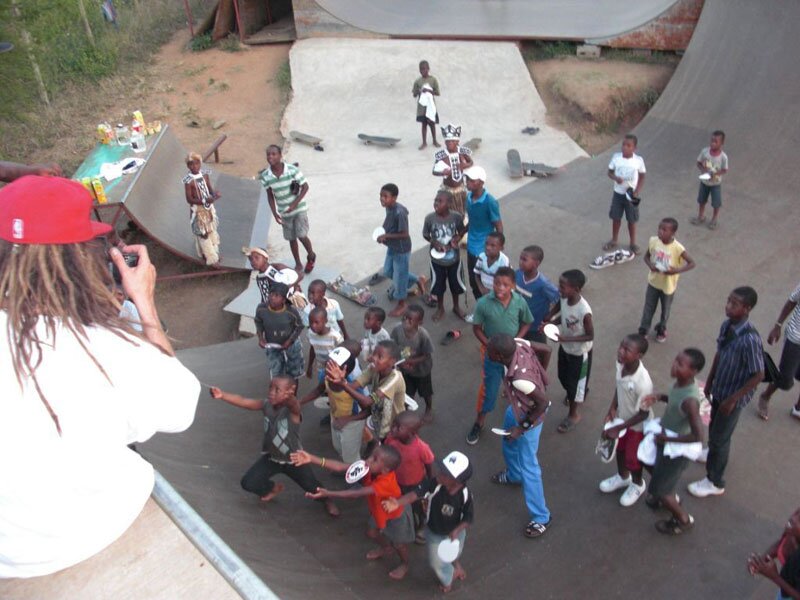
(498, 19)
(594, 548)
(157, 203)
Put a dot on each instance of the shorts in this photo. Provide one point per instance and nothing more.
(666, 473)
(422, 385)
(400, 530)
(571, 375)
(286, 362)
(789, 366)
(715, 191)
(442, 275)
(295, 226)
(628, 445)
(621, 205)
(423, 119)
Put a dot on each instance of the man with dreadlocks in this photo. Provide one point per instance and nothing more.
(79, 383)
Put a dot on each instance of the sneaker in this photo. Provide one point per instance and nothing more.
(661, 336)
(474, 435)
(674, 527)
(795, 412)
(632, 494)
(502, 478)
(704, 488)
(469, 318)
(535, 529)
(614, 483)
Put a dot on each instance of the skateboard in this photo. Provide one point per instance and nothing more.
(538, 169)
(473, 144)
(377, 140)
(609, 259)
(361, 295)
(309, 140)
(515, 163)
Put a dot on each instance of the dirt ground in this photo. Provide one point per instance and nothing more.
(192, 91)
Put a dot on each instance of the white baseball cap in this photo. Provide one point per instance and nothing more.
(339, 355)
(477, 173)
(457, 464)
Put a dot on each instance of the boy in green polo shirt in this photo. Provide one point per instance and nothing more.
(286, 191)
(501, 311)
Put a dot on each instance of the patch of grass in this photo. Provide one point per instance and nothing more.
(196, 70)
(648, 97)
(284, 78)
(230, 44)
(655, 57)
(223, 86)
(543, 50)
(201, 42)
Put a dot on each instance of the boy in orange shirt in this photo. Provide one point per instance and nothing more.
(393, 530)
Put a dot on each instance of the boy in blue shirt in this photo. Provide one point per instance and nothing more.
(539, 292)
(483, 212)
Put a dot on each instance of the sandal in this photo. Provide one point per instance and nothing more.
(430, 301)
(501, 478)
(634, 249)
(311, 260)
(673, 526)
(566, 425)
(712, 225)
(609, 245)
(697, 221)
(376, 278)
(535, 529)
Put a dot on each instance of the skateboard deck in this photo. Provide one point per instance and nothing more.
(473, 144)
(304, 138)
(514, 163)
(377, 140)
(360, 295)
(538, 169)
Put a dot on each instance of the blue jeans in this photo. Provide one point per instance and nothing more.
(395, 267)
(491, 377)
(443, 570)
(523, 465)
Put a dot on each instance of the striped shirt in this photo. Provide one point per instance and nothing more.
(280, 187)
(740, 356)
(793, 322)
(323, 344)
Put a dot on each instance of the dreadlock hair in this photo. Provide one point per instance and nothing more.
(57, 285)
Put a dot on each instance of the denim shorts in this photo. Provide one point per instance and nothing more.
(715, 191)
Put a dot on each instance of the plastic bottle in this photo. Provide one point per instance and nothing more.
(138, 143)
(123, 135)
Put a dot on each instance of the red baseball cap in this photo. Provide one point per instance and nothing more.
(47, 210)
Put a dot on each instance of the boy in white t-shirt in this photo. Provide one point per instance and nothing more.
(317, 298)
(576, 332)
(632, 384)
(627, 171)
(491, 259)
(374, 332)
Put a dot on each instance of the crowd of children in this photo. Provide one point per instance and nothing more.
(373, 430)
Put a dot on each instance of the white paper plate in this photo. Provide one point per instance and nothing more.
(379, 231)
(273, 347)
(705, 177)
(356, 471)
(614, 423)
(437, 254)
(448, 550)
(500, 431)
(551, 331)
(411, 404)
(322, 402)
(287, 276)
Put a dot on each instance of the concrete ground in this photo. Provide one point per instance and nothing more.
(343, 87)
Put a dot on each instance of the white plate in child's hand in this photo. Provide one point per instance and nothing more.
(448, 550)
(287, 276)
(322, 402)
(551, 331)
(356, 471)
(411, 404)
(437, 254)
(378, 232)
(614, 423)
(273, 347)
(500, 431)
(705, 177)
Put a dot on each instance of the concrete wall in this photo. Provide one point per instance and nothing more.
(671, 31)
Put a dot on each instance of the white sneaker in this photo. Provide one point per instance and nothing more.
(703, 458)
(795, 412)
(614, 483)
(469, 318)
(704, 488)
(632, 494)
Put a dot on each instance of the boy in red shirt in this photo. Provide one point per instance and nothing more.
(416, 458)
(393, 530)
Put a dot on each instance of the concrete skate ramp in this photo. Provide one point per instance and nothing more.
(497, 19)
(737, 76)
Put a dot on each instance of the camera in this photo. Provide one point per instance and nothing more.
(130, 259)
